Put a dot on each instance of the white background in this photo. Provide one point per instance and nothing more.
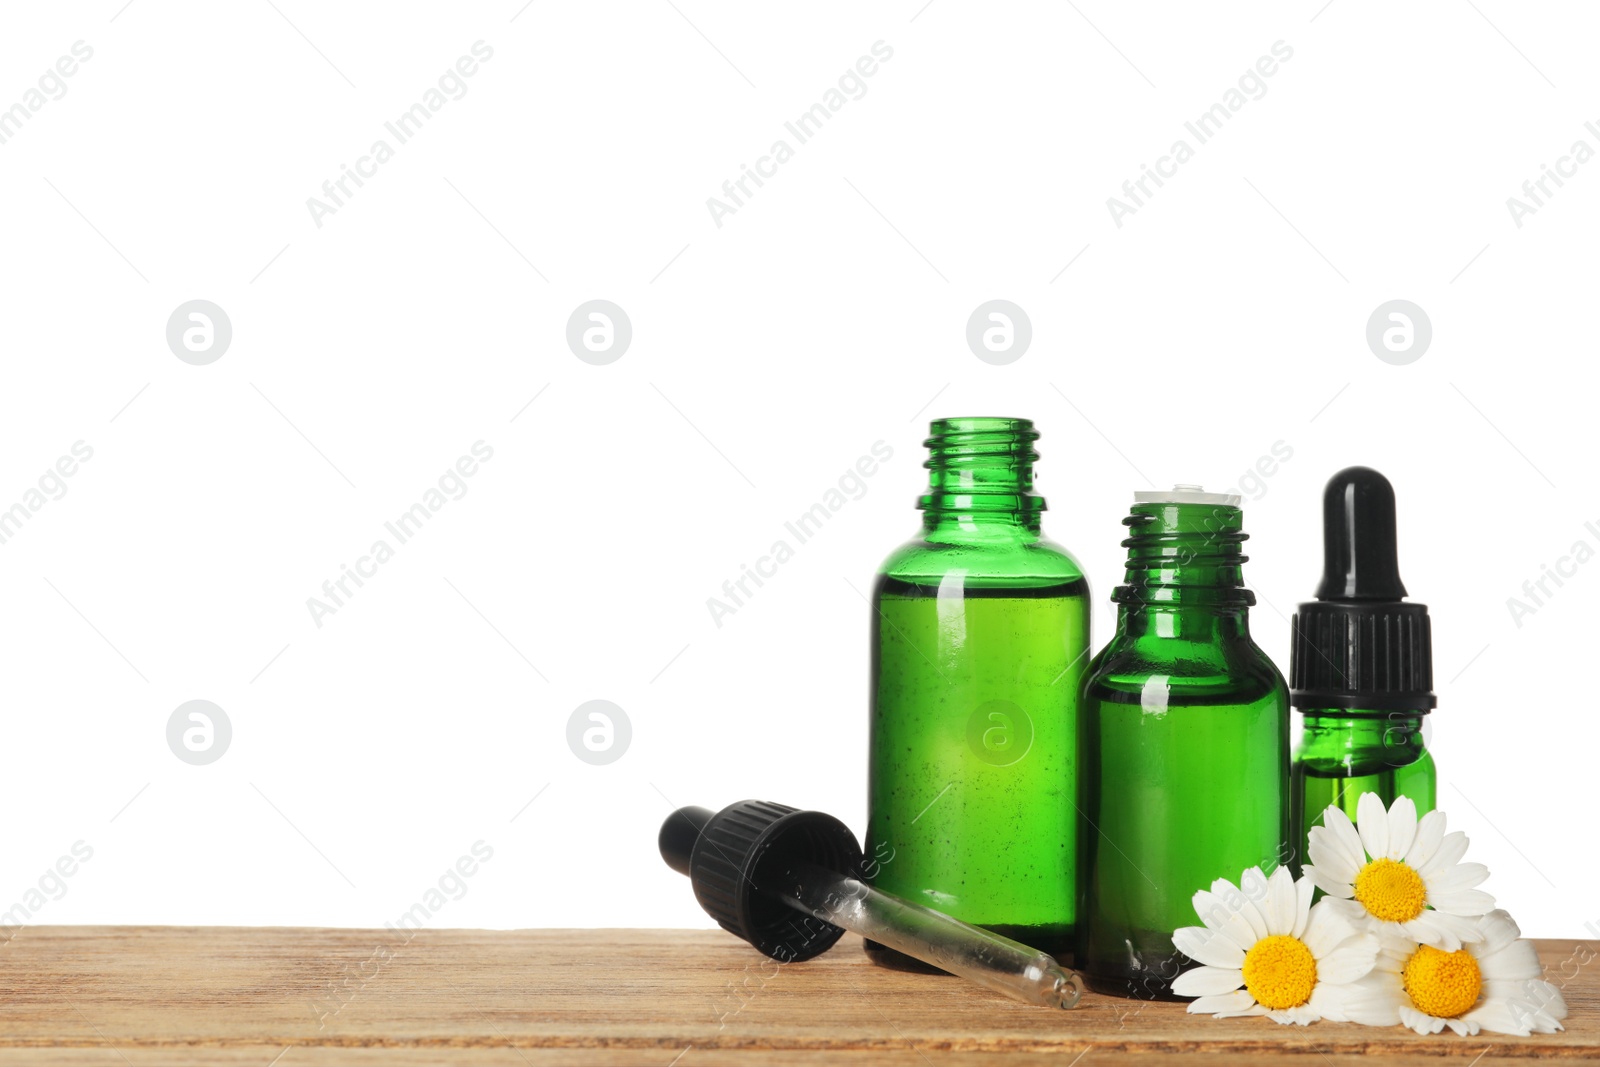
(826, 314)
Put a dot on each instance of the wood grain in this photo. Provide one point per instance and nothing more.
(223, 995)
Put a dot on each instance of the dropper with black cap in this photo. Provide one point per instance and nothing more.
(785, 880)
(1360, 667)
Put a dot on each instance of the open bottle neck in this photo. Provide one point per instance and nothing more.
(980, 482)
(1185, 560)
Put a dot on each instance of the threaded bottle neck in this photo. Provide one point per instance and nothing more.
(981, 475)
(1182, 554)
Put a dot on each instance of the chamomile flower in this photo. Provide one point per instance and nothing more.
(1267, 951)
(1494, 983)
(1402, 877)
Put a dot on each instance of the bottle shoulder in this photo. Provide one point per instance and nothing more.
(1236, 668)
(1031, 561)
(1351, 745)
(1361, 762)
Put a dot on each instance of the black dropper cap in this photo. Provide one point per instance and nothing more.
(1360, 645)
(729, 855)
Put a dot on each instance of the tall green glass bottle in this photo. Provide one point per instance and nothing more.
(980, 633)
(1184, 743)
(1361, 666)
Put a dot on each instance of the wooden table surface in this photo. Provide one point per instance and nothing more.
(252, 995)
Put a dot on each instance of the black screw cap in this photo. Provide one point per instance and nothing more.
(730, 854)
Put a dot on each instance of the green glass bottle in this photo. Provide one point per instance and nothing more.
(1184, 743)
(980, 633)
(1344, 753)
(1361, 666)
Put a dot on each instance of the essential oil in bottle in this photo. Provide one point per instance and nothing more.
(980, 634)
(1361, 666)
(1184, 743)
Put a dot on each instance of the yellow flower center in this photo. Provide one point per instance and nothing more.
(1280, 972)
(1442, 984)
(1391, 891)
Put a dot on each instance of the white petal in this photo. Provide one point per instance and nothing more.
(1462, 902)
(1440, 929)
(1303, 890)
(1252, 916)
(1352, 912)
(1515, 962)
(1373, 821)
(1236, 1001)
(1231, 894)
(1332, 862)
(1387, 932)
(1402, 826)
(1499, 929)
(1451, 848)
(1214, 911)
(1371, 1008)
(1430, 831)
(1462, 1026)
(1420, 1022)
(1253, 884)
(1330, 883)
(1202, 981)
(1224, 888)
(1300, 1016)
(1210, 947)
(1536, 1004)
(1326, 928)
(1206, 909)
(1342, 837)
(1228, 923)
(1240, 932)
(1281, 901)
(1393, 952)
(1461, 876)
(1352, 959)
(1540, 996)
(1501, 1016)
(1328, 1000)
(1370, 1002)
(1253, 1009)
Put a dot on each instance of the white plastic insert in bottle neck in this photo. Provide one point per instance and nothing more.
(1183, 493)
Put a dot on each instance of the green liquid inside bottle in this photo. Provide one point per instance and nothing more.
(1185, 747)
(976, 725)
(980, 636)
(1343, 754)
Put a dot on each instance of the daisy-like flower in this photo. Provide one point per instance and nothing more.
(1494, 983)
(1267, 951)
(1401, 877)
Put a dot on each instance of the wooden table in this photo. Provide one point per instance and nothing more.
(179, 995)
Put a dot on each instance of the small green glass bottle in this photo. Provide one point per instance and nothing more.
(1184, 743)
(1361, 667)
(980, 633)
